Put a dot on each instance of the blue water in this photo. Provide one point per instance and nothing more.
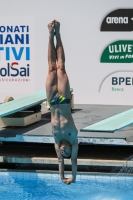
(41, 186)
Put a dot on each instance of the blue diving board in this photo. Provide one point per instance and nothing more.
(112, 124)
(23, 103)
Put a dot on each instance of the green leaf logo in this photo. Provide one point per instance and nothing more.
(118, 52)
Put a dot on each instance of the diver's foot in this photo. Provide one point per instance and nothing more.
(51, 28)
(57, 27)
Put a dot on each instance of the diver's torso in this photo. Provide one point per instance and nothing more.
(63, 127)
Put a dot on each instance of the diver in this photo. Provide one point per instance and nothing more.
(58, 97)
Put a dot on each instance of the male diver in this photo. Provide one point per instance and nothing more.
(58, 97)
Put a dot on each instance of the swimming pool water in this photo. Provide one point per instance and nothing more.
(44, 186)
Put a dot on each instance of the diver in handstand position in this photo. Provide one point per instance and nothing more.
(58, 97)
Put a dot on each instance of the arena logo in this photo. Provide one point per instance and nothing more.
(118, 20)
(12, 71)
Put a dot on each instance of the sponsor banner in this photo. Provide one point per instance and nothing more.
(119, 81)
(17, 55)
(118, 52)
(118, 20)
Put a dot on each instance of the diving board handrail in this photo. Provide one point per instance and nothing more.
(23, 103)
(112, 124)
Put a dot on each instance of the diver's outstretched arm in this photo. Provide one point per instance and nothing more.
(61, 162)
(74, 163)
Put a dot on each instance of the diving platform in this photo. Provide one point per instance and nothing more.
(25, 110)
(112, 124)
(84, 116)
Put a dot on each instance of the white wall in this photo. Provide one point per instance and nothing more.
(83, 43)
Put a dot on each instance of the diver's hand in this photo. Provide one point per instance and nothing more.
(64, 180)
(69, 180)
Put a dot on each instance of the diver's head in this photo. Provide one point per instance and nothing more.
(65, 149)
